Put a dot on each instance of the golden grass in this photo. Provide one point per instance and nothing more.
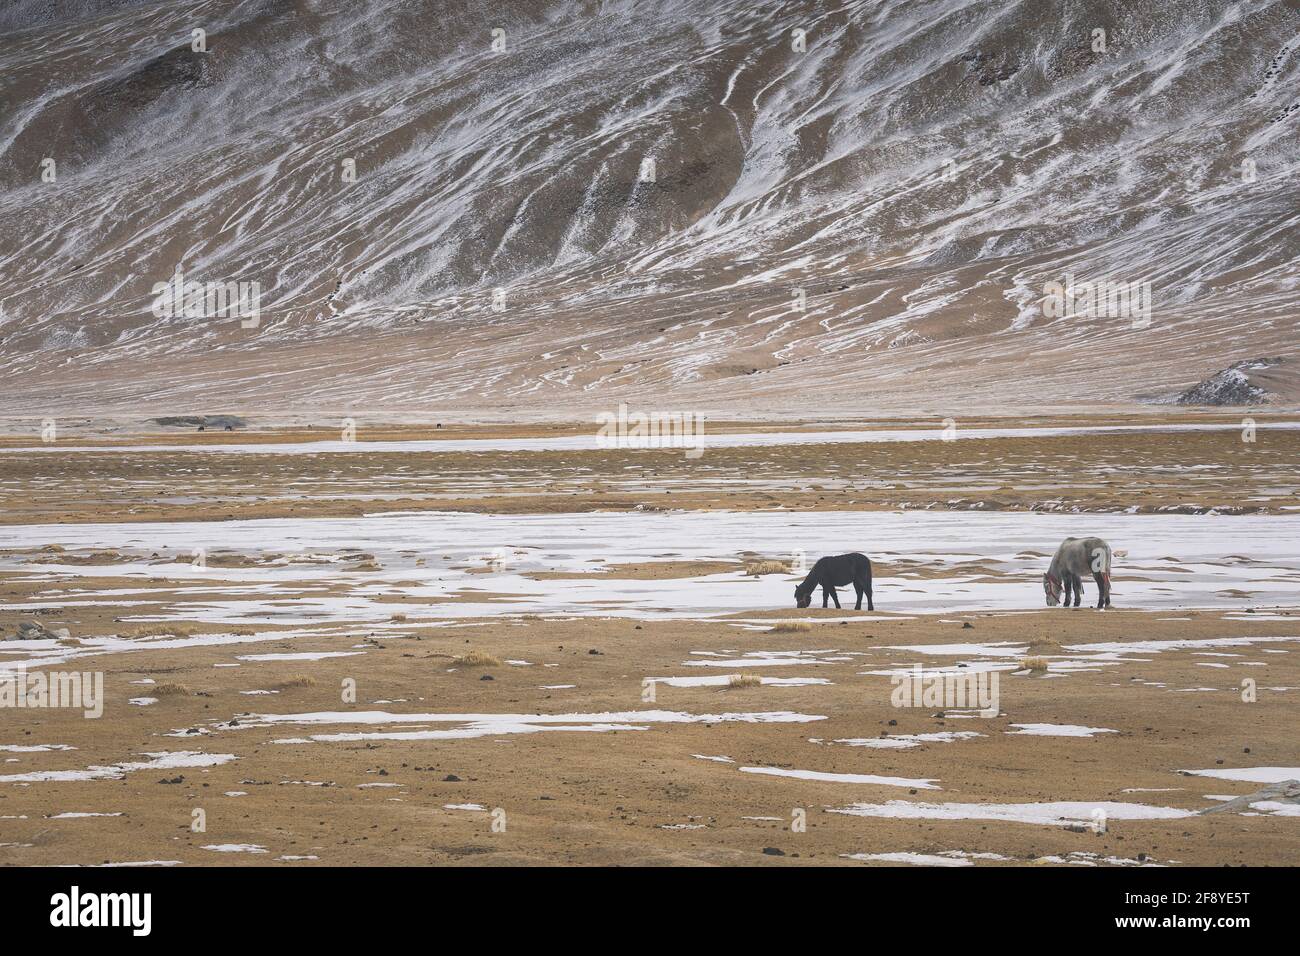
(477, 659)
(231, 560)
(169, 689)
(297, 680)
(1041, 644)
(397, 618)
(790, 627)
(766, 567)
(741, 681)
(1036, 664)
(159, 630)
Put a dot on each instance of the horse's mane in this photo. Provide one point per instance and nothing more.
(808, 583)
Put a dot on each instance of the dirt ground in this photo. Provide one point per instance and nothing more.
(1182, 472)
(641, 795)
(414, 757)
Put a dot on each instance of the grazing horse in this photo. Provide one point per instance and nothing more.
(835, 572)
(1074, 558)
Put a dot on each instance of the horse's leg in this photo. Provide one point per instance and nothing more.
(870, 606)
(857, 586)
(1103, 593)
(835, 597)
(1067, 584)
(1078, 589)
(826, 593)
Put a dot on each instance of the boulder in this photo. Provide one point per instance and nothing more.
(1236, 385)
(32, 631)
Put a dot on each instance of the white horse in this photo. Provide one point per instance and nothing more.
(1074, 558)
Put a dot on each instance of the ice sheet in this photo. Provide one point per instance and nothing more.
(588, 442)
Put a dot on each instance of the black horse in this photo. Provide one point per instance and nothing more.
(835, 572)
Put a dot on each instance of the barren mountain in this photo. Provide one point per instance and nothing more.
(735, 205)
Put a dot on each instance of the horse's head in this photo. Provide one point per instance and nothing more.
(1052, 588)
(802, 598)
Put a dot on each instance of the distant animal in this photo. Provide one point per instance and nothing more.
(1073, 559)
(833, 572)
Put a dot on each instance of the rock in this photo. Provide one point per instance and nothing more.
(228, 422)
(1235, 385)
(31, 631)
(773, 851)
(967, 626)
(451, 778)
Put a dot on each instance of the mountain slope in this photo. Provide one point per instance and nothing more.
(626, 198)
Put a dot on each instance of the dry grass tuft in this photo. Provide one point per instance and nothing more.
(1035, 664)
(159, 630)
(790, 627)
(741, 681)
(169, 689)
(297, 680)
(477, 659)
(398, 618)
(766, 567)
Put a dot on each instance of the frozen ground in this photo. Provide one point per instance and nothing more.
(591, 442)
(455, 566)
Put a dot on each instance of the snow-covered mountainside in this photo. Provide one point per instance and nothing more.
(737, 203)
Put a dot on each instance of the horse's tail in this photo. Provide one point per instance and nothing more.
(1105, 575)
(1101, 556)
